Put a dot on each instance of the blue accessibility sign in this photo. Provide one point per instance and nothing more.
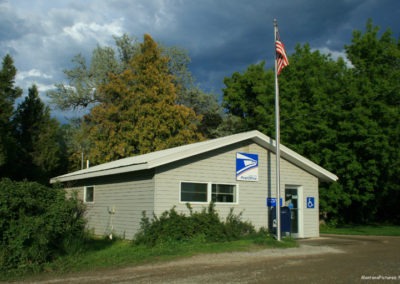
(310, 202)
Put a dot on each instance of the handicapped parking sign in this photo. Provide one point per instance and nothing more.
(310, 202)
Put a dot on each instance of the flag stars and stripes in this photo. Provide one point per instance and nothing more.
(281, 58)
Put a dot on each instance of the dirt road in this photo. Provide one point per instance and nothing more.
(329, 259)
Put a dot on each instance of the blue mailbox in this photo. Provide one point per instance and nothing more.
(285, 220)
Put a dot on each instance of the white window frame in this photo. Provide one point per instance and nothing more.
(85, 194)
(209, 193)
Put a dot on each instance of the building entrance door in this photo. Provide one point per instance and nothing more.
(292, 201)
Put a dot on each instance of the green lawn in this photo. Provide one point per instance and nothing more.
(102, 253)
(367, 230)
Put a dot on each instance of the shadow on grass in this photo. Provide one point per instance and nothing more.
(97, 244)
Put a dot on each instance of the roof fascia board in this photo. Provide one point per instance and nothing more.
(295, 158)
(113, 171)
(187, 153)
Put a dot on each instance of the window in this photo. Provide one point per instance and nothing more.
(225, 193)
(207, 192)
(88, 194)
(194, 192)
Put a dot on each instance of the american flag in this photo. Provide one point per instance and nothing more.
(281, 58)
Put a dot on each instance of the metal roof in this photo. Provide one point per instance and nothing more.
(163, 157)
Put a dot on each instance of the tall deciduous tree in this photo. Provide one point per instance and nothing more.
(250, 97)
(375, 56)
(86, 77)
(40, 148)
(8, 94)
(138, 113)
(343, 118)
(314, 89)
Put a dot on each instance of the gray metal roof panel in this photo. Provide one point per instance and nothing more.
(159, 158)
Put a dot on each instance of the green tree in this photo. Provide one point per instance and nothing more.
(40, 146)
(8, 94)
(85, 79)
(376, 73)
(138, 113)
(82, 89)
(77, 143)
(250, 97)
(314, 89)
(343, 118)
(311, 89)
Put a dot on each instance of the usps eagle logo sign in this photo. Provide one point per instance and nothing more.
(246, 167)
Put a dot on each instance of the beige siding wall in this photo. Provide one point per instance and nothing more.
(219, 167)
(118, 202)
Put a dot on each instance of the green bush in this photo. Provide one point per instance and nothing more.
(37, 224)
(172, 226)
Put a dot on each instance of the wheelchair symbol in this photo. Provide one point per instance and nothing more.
(310, 202)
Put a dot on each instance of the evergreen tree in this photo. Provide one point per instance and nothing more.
(138, 113)
(40, 147)
(8, 94)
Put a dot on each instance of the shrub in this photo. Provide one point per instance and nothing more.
(236, 228)
(206, 225)
(37, 224)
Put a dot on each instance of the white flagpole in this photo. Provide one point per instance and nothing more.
(277, 141)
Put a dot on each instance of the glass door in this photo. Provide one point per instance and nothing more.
(292, 201)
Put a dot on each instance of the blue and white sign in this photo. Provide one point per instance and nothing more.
(271, 201)
(310, 202)
(246, 167)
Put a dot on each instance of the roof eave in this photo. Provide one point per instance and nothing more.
(94, 174)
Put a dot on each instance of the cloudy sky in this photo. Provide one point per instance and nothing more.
(221, 36)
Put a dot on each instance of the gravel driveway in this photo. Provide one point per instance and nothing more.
(329, 259)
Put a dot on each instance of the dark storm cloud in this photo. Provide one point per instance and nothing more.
(11, 28)
(221, 36)
(227, 36)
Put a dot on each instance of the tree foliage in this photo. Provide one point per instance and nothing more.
(138, 111)
(248, 96)
(376, 73)
(37, 224)
(343, 118)
(8, 94)
(41, 152)
(85, 79)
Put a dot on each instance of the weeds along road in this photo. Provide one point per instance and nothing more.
(329, 259)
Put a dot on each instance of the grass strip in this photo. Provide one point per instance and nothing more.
(365, 230)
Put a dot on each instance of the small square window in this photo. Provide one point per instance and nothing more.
(89, 194)
(224, 193)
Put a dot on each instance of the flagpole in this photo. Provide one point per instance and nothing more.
(277, 141)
